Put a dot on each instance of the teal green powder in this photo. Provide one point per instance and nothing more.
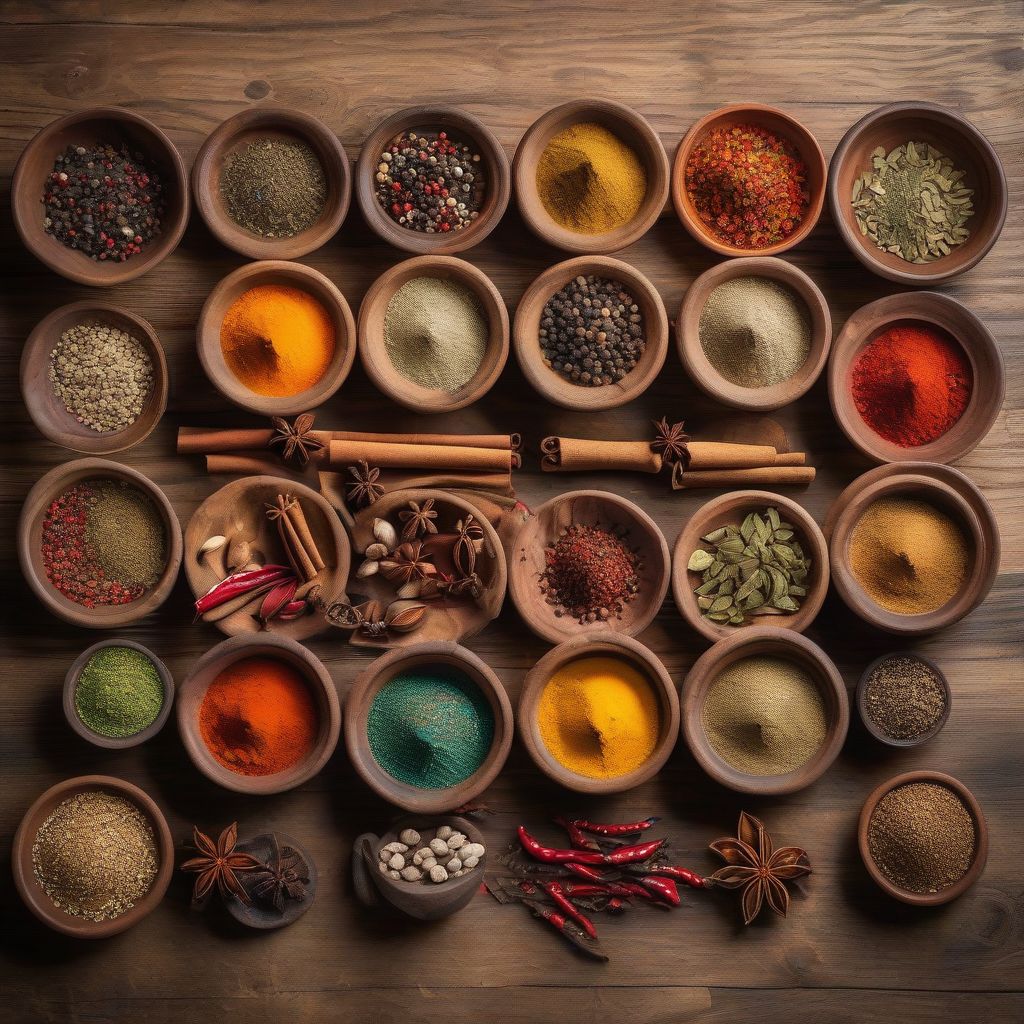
(431, 728)
(119, 692)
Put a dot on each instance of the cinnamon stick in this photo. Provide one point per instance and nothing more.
(506, 442)
(790, 459)
(298, 557)
(791, 476)
(725, 455)
(247, 464)
(407, 455)
(203, 441)
(573, 454)
(300, 525)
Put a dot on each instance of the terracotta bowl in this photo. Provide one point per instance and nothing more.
(32, 892)
(552, 385)
(954, 136)
(930, 899)
(932, 309)
(226, 654)
(733, 508)
(702, 371)
(281, 125)
(290, 275)
(30, 532)
(97, 125)
(461, 126)
(638, 657)
(627, 125)
(770, 119)
(49, 413)
(779, 643)
(442, 653)
(373, 351)
(869, 724)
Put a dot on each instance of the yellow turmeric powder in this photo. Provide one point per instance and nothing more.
(599, 717)
(277, 341)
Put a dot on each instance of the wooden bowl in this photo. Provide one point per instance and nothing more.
(97, 125)
(770, 119)
(552, 385)
(360, 698)
(779, 643)
(628, 126)
(223, 656)
(955, 137)
(258, 914)
(239, 508)
(49, 413)
(30, 531)
(868, 722)
(32, 892)
(951, 892)
(290, 275)
(588, 508)
(947, 489)
(108, 742)
(605, 644)
(703, 372)
(732, 508)
(373, 351)
(461, 126)
(933, 309)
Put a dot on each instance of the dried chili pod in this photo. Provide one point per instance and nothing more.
(684, 875)
(576, 837)
(557, 894)
(628, 828)
(570, 930)
(550, 855)
(664, 888)
(633, 854)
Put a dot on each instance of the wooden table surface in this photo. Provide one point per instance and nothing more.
(846, 953)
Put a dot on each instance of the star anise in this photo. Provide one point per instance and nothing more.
(418, 519)
(285, 876)
(670, 441)
(468, 533)
(755, 867)
(407, 563)
(363, 488)
(217, 865)
(297, 439)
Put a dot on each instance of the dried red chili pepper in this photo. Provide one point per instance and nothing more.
(293, 610)
(615, 905)
(585, 871)
(632, 854)
(557, 894)
(570, 930)
(550, 855)
(684, 875)
(576, 837)
(276, 599)
(636, 889)
(664, 888)
(240, 583)
(615, 830)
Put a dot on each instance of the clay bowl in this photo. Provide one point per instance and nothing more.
(868, 722)
(97, 125)
(936, 310)
(373, 348)
(71, 684)
(32, 892)
(632, 129)
(733, 508)
(280, 125)
(441, 653)
(290, 275)
(779, 643)
(221, 657)
(708, 378)
(552, 385)
(951, 892)
(238, 508)
(258, 914)
(30, 531)
(949, 491)
(770, 119)
(461, 127)
(954, 136)
(604, 644)
(49, 413)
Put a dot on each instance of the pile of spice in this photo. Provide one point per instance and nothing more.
(911, 384)
(747, 185)
(119, 692)
(904, 698)
(104, 201)
(445, 855)
(430, 183)
(95, 855)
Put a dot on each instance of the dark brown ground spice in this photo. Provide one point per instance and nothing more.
(904, 698)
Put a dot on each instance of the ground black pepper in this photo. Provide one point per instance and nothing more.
(904, 698)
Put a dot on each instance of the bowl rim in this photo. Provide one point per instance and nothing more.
(874, 730)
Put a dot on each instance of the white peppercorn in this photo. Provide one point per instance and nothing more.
(470, 862)
(453, 865)
(456, 840)
(396, 875)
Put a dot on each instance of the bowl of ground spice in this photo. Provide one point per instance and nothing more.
(903, 699)
(100, 196)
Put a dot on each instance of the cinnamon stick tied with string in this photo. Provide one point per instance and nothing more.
(296, 537)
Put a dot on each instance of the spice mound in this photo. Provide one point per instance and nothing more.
(95, 856)
(419, 856)
(904, 698)
(119, 692)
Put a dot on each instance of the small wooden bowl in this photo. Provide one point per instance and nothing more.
(955, 137)
(868, 722)
(951, 892)
(97, 125)
(258, 914)
(30, 532)
(289, 275)
(770, 119)
(360, 698)
(627, 125)
(373, 351)
(461, 126)
(732, 508)
(588, 508)
(223, 656)
(779, 643)
(49, 413)
(933, 309)
(552, 385)
(605, 644)
(703, 372)
(32, 892)
(947, 489)
(97, 739)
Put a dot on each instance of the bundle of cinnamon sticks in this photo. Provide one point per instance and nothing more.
(296, 537)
